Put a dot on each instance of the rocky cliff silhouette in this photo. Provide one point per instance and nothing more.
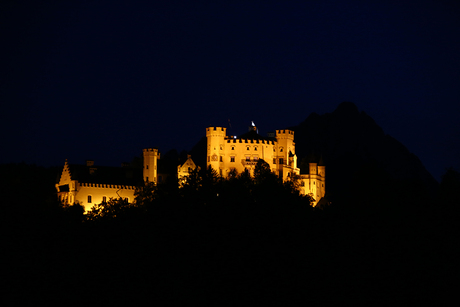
(347, 141)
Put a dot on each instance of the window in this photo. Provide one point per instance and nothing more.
(104, 199)
(221, 147)
(248, 158)
(209, 159)
(89, 199)
(233, 147)
(255, 148)
(274, 161)
(147, 179)
(221, 160)
(281, 161)
(247, 148)
(256, 158)
(147, 166)
(232, 159)
(281, 149)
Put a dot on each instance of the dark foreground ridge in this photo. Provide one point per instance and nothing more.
(226, 243)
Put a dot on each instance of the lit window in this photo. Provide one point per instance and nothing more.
(248, 158)
(89, 199)
(256, 158)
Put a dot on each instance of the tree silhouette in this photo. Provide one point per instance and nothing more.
(113, 208)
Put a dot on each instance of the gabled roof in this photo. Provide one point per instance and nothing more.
(106, 174)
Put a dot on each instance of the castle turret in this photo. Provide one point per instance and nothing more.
(216, 147)
(285, 149)
(151, 156)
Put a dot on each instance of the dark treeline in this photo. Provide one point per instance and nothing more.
(246, 240)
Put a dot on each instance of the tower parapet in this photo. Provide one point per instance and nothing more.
(151, 157)
(216, 131)
(216, 147)
(285, 134)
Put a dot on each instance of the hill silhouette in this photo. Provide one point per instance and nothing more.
(347, 141)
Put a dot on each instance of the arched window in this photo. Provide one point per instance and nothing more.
(90, 199)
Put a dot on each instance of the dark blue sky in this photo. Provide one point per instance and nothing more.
(101, 80)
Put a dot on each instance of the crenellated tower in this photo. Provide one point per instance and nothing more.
(151, 156)
(216, 147)
(285, 153)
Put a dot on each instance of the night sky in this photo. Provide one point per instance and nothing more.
(103, 79)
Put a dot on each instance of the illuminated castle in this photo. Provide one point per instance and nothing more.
(89, 184)
(227, 153)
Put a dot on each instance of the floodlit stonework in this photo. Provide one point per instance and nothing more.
(89, 184)
(184, 170)
(227, 153)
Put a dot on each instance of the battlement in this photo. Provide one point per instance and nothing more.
(154, 149)
(216, 131)
(285, 132)
(252, 141)
(106, 186)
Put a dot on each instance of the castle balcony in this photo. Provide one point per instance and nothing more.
(249, 162)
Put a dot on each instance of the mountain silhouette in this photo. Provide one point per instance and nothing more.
(347, 141)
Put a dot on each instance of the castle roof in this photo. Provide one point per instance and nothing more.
(253, 135)
(106, 174)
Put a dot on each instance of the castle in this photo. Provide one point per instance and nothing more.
(90, 184)
(227, 153)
